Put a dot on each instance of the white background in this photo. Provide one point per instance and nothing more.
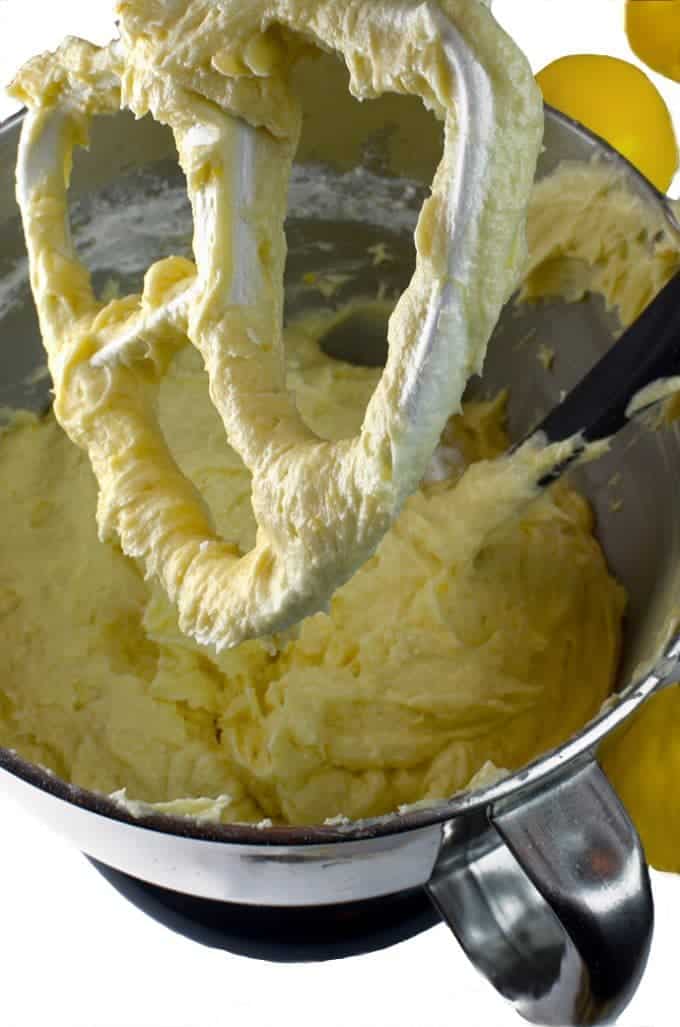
(74, 954)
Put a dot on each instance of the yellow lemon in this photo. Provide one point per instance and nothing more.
(618, 102)
(643, 762)
(653, 30)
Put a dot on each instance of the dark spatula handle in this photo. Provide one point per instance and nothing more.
(647, 351)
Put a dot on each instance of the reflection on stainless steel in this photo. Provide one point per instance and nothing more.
(551, 900)
(541, 874)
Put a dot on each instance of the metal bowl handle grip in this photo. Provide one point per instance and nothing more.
(551, 901)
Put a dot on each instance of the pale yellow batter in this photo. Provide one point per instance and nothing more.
(588, 232)
(442, 653)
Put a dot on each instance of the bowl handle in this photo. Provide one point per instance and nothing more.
(550, 898)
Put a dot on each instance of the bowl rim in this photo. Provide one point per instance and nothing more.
(550, 766)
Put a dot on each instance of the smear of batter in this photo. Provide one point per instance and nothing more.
(589, 232)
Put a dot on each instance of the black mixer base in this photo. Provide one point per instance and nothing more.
(278, 934)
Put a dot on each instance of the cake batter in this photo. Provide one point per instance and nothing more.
(445, 651)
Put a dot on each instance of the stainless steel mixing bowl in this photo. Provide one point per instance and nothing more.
(541, 876)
